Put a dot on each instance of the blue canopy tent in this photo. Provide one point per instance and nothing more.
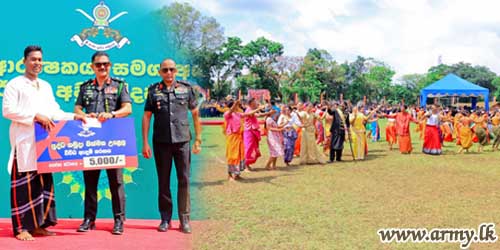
(452, 85)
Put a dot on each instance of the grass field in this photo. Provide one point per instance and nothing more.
(342, 205)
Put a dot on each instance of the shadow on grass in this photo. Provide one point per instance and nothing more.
(244, 179)
(370, 156)
(292, 167)
(201, 185)
(264, 179)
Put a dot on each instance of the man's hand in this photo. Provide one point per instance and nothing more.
(196, 146)
(80, 118)
(46, 122)
(92, 115)
(146, 151)
(102, 117)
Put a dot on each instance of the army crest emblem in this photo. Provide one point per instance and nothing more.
(100, 24)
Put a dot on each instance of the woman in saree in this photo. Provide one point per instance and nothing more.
(374, 127)
(447, 127)
(481, 130)
(274, 141)
(456, 124)
(358, 120)
(309, 150)
(251, 133)
(465, 134)
(432, 141)
(390, 130)
(235, 150)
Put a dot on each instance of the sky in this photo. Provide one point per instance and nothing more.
(408, 35)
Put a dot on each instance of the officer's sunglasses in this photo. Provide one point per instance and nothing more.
(165, 70)
(100, 64)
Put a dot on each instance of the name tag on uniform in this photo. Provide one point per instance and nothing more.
(158, 96)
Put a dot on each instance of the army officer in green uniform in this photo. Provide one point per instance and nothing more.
(103, 98)
(170, 100)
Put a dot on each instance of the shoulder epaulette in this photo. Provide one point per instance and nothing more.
(152, 85)
(88, 81)
(120, 80)
(184, 83)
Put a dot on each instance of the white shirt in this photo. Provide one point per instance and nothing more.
(295, 119)
(433, 120)
(22, 100)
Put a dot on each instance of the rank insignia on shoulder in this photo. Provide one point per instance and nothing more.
(180, 82)
(118, 79)
(88, 81)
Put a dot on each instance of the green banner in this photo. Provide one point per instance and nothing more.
(69, 33)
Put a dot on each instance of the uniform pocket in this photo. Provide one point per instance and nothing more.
(181, 101)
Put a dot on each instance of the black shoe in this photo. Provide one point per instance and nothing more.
(329, 162)
(86, 225)
(118, 228)
(164, 226)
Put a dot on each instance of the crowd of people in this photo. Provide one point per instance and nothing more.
(317, 132)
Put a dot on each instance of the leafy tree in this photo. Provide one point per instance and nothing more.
(379, 77)
(245, 82)
(306, 80)
(408, 87)
(219, 67)
(203, 63)
(189, 28)
(496, 84)
(259, 57)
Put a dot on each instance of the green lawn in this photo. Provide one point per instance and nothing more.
(341, 206)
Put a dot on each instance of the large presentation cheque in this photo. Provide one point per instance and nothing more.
(72, 145)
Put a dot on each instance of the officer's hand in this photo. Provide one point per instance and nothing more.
(46, 122)
(80, 118)
(196, 147)
(104, 116)
(92, 115)
(146, 151)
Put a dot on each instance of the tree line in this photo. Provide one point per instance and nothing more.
(225, 65)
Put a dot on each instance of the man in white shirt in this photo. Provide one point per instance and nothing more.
(28, 99)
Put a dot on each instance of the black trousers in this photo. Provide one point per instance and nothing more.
(336, 154)
(336, 146)
(180, 153)
(116, 186)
